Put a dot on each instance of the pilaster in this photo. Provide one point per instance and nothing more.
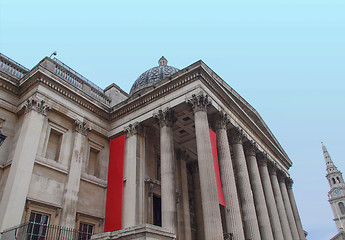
(70, 198)
(18, 181)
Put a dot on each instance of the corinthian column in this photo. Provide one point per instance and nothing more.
(280, 204)
(209, 194)
(197, 202)
(251, 227)
(70, 198)
(232, 208)
(18, 181)
(166, 120)
(271, 203)
(132, 206)
(258, 192)
(295, 210)
(288, 208)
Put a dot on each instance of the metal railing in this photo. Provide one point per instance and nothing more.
(38, 231)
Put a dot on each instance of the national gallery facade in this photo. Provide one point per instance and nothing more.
(182, 156)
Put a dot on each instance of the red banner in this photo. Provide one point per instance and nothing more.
(113, 209)
(213, 138)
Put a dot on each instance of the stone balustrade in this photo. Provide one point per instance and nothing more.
(11, 67)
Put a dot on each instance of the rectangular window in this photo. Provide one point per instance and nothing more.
(54, 145)
(38, 225)
(85, 231)
(92, 168)
(157, 211)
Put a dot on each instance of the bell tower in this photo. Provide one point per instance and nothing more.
(336, 195)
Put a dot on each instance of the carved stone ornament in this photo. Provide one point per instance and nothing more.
(183, 155)
(272, 168)
(222, 120)
(281, 176)
(289, 183)
(33, 103)
(81, 127)
(249, 148)
(165, 118)
(236, 136)
(199, 102)
(262, 159)
(134, 129)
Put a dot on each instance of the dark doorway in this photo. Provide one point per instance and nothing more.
(157, 211)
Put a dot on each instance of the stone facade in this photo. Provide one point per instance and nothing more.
(59, 127)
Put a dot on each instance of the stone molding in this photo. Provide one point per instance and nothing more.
(199, 102)
(134, 129)
(165, 118)
(33, 103)
(222, 120)
(249, 148)
(81, 127)
(236, 136)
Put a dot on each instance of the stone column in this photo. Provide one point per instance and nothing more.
(232, 208)
(184, 198)
(133, 186)
(209, 193)
(271, 203)
(287, 205)
(258, 192)
(251, 227)
(295, 210)
(280, 204)
(166, 120)
(18, 181)
(197, 202)
(70, 197)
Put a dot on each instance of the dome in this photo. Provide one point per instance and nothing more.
(153, 76)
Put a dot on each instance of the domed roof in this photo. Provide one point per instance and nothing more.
(153, 76)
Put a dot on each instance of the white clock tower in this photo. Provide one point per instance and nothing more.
(336, 195)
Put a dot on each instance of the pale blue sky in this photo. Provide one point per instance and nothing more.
(286, 58)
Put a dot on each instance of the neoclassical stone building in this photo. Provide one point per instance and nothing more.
(182, 156)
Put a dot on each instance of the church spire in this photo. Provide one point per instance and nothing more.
(330, 167)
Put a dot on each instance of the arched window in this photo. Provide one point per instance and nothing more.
(342, 208)
(338, 179)
(333, 180)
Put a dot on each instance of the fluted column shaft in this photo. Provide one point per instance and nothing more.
(197, 202)
(280, 204)
(258, 192)
(233, 212)
(288, 208)
(166, 119)
(209, 194)
(251, 227)
(295, 210)
(271, 203)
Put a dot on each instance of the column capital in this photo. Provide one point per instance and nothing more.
(262, 159)
(38, 105)
(133, 129)
(236, 136)
(183, 155)
(221, 120)
(281, 176)
(194, 167)
(81, 127)
(272, 168)
(289, 183)
(165, 118)
(199, 102)
(249, 148)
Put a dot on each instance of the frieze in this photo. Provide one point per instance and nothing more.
(33, 103)
(199, 102)
(165, 118)
(81, 127)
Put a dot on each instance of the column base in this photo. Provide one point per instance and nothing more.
(139, 232)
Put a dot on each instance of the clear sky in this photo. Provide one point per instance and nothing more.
(286, 58)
